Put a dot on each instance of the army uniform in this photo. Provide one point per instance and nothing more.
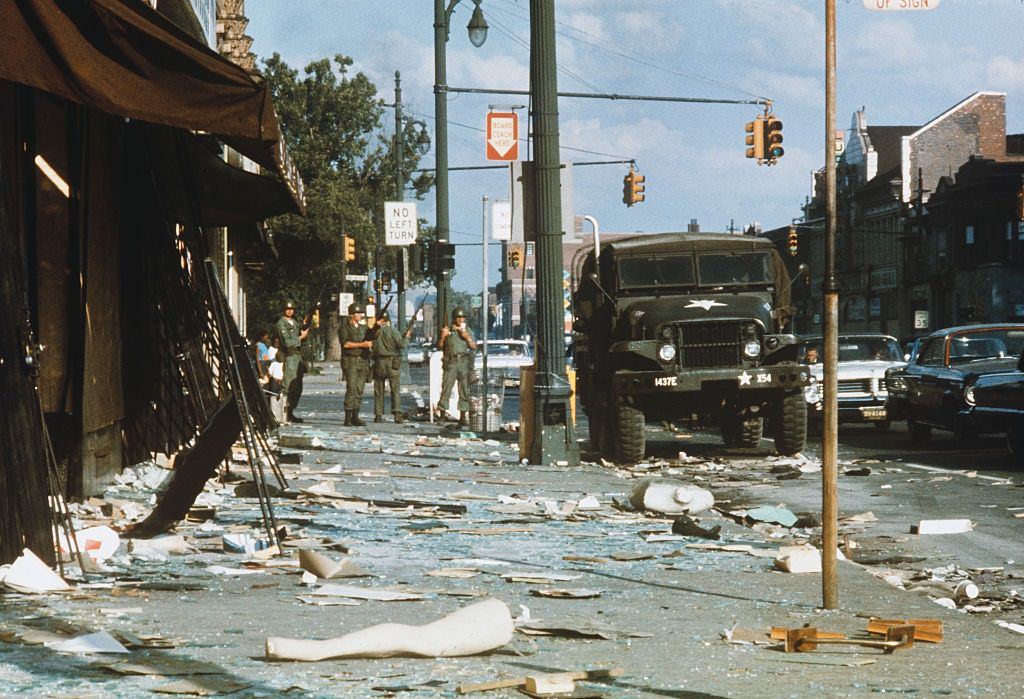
(290, 332)
(457, 363)
(387, 365)
(354, 365)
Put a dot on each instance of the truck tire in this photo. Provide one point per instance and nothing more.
(629, 431)
(791, 423)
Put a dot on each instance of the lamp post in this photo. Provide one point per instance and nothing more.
(477, 29)
(554, 440)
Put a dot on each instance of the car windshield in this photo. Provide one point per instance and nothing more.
(729, 268)
(854, 348)
(508, 349)
(656, 270)
(970, 346)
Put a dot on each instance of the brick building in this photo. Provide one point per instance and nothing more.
(885, 176)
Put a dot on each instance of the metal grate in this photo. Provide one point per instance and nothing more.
(710, 344)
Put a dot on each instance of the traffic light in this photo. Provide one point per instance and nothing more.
(440, 257)
(793, 240)
(755, 139)
(416, 257)
(349, 243)
(515, 258)
(632, 187)
(772, 140)
(385, 281)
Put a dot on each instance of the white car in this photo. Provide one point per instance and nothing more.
(861, 366)
(504, 357)
(417, 354)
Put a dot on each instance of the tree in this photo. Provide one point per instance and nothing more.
(333, 126)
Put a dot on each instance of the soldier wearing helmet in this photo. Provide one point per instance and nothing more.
(291, 335)
(388, 344)
(355, 354)
(457, 344)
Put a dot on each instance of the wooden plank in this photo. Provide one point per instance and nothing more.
(925, 630)
(513, 682)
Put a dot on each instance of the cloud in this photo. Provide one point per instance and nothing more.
(1005, 74)
(788, 87)
(643, 138)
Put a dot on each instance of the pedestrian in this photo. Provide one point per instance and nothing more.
(388, 344)
(355, 355)
(262, 355)
(457, 345)
(292, 335)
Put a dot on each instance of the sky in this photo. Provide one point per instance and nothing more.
(903, 68)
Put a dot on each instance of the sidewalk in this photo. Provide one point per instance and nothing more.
(660, 615)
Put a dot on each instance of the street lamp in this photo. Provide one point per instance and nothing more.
(477, 29)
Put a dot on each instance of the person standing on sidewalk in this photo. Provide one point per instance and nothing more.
(388, 344)
(355, 354)
(291, 335)
(457, 344)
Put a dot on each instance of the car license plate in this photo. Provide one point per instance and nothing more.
(873, 413)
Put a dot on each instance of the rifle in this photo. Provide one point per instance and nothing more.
(372, 333)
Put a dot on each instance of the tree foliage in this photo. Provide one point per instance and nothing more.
(336, 129)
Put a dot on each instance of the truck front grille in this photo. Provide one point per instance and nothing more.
(709, 344)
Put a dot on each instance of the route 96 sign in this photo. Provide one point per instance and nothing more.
(400, 223)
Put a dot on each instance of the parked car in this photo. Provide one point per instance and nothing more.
(504, 358)
(862, 363)
(418, 353)
(995, 404)
(931, 392)
(912, 345)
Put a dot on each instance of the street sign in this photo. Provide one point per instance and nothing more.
(344, 301)
(502, 136)
(920, 320)
(901, 4)
(400, 223)
(501, 220)
(356, 278)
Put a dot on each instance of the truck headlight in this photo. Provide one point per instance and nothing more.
(667, 353)
(752, 348)
(969, 395)
(895, 384)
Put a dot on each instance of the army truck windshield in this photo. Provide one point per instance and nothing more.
(692, 327)
(688, 270)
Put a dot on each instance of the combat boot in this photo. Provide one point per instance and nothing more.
(348, 418)
(378, 418)
(463, 418)
(399, 419)
(356, 420)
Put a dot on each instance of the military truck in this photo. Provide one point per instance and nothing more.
(687, 327)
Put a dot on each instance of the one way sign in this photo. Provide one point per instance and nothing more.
(502, 136)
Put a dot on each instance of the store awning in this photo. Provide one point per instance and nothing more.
(124, 58)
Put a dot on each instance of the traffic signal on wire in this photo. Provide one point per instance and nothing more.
(633, 187)
(755, 139)
(772, 140)
(349, 243)
(793, 240)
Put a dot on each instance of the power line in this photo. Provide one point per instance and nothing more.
(630, 54)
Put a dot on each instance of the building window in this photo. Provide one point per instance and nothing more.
(1009, 230)
(529, 249)
(529, 272)
(969, 235)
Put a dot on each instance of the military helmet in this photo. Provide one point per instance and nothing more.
(384, 316)
(354, 308)
(459, 312)
(289, 304)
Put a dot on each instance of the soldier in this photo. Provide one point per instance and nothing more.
(355, 353)
(457, 344)
(291, 335)
(388, 344)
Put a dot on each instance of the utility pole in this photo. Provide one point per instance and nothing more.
(484, 313)
(403, 265)
(554, 439)
(830, 417)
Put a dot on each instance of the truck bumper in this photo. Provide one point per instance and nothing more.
(775, 377)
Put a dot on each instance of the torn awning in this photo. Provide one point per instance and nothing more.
(124, 58)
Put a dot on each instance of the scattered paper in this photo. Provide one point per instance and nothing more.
(99, 642)
(363, 593)
(28, 574)
(942, 526)
(566, 593)
(329, 569)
